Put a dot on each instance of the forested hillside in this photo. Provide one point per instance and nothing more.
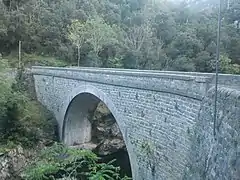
(143, 34)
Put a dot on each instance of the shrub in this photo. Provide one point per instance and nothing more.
(59, 161)
(29, 60)
(22, 120)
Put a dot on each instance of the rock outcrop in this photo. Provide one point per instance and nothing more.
(4, 167)
(11, 163)
(106, 133)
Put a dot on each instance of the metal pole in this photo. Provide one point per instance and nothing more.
(217, 66)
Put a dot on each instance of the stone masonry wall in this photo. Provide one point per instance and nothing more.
(219, 157)
(156, 126)
(156, 113)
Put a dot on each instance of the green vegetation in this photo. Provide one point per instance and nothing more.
(163, 35)
(143, 34)
(147, 148)
(26, 123)
(58, 162)
(29, 60)
(23, 121)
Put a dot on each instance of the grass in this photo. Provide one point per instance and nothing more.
(29, 60)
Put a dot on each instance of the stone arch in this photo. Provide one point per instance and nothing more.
(82, 101)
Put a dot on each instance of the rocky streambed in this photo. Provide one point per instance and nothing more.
(107, 141)
(106, 135)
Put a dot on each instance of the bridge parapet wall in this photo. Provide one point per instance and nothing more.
(186, 85)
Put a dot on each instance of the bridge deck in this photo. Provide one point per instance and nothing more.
(229, 80)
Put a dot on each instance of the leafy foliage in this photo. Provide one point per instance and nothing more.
(95, 33)
(163, 35)
(29, 60)
(22, 120)
(59, 161)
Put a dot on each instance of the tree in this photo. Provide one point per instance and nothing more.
(99, 34)
(118, 33)
(77, 35)
(96, 33)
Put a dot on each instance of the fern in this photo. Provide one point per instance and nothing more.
(41, 170)
(59, 161)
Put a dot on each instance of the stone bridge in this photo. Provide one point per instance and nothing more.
(166, 118)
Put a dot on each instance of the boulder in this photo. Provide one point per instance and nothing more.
(5, 167)
(12, 163)
(110, 146)
(106, 133)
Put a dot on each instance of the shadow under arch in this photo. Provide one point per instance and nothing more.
(76, 127)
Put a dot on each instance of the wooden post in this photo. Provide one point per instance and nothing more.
(19, 54)
(78, 55)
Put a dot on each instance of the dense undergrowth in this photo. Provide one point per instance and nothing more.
(58, 162)
(29, 60)
(24, 122)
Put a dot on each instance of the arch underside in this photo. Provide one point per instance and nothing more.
(77, 114)
(77, 110)
(78, 128)
(80, 109)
